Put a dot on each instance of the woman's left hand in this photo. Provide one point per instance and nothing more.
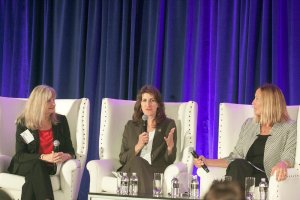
(281, 171)
(169, 140)
(60, 157)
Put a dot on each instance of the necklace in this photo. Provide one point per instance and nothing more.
(266, 129)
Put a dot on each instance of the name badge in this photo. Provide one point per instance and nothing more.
(27, 136)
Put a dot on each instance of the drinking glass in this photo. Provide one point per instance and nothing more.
(119, 176)
(158, 183)
(249, 188)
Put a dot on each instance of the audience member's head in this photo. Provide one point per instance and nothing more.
(225, 191)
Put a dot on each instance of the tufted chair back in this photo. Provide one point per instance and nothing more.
(116, 113)
(66, 185)
(114, 116)
(231, 119)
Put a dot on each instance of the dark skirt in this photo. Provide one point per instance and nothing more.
(144, 172)
(239, 169)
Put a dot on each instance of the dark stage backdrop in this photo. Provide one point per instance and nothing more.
(206, 51)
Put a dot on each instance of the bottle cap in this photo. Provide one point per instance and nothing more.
(263, 179)
(133, 174)
(124, 174)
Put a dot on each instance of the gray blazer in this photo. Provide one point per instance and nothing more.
(280, 146)
(159, 153)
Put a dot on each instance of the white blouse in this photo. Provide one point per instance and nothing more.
(146, 151)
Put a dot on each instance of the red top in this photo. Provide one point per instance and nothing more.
(46, 142)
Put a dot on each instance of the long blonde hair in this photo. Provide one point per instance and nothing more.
(273, 105)
(33, 113)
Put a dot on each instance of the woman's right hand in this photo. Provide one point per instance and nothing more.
(199, 162)
(143, 139)
(53, 157)
(49, 157)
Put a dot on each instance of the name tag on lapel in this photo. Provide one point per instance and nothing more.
(27, 136)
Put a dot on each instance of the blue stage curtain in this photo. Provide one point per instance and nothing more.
(206, 51)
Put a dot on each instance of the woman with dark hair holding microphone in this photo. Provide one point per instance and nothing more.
(37, 127)
(153, 151)
(266, 144)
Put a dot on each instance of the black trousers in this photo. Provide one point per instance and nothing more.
(144, 173)
(239, 169)
(37, 180)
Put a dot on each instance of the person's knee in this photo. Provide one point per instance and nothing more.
(238, 162)
(39, 164)
(138, 160)
(4, 195)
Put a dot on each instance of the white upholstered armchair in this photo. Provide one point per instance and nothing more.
(231, 119)
(66, 185)
(114, 116)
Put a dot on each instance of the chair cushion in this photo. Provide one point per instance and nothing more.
(109, 184)
(15, 182)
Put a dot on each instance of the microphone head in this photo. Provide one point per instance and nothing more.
(191, 149)
(145, 117)
(56, 143)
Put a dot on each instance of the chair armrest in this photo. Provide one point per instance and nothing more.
(98, 169)
(206, 179)
(179, 170)
(287, 189)
(70, 178)
(4, 163)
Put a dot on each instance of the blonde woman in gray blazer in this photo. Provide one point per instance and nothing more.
(267, 142)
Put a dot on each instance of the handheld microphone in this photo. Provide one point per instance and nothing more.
(145, 118)
(56, 144)
(195, 155)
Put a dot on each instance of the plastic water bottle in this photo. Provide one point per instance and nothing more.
(215, 181)
(124, 184)
(194, 187)
(263, 189)
(133, 186)
(175, 187)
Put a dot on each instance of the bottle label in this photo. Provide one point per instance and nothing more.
(175, 185)
(134, 182)
(194, 186)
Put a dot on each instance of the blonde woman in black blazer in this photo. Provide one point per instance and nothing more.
(39, 114)
(137, 154)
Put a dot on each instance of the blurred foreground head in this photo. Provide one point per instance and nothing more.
(225, 191)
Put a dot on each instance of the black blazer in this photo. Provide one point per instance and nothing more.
(159, 153)
(27, 152)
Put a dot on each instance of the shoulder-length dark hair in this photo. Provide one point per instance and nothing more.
(138, 113)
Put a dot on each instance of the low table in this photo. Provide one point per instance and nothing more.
(95, 196)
